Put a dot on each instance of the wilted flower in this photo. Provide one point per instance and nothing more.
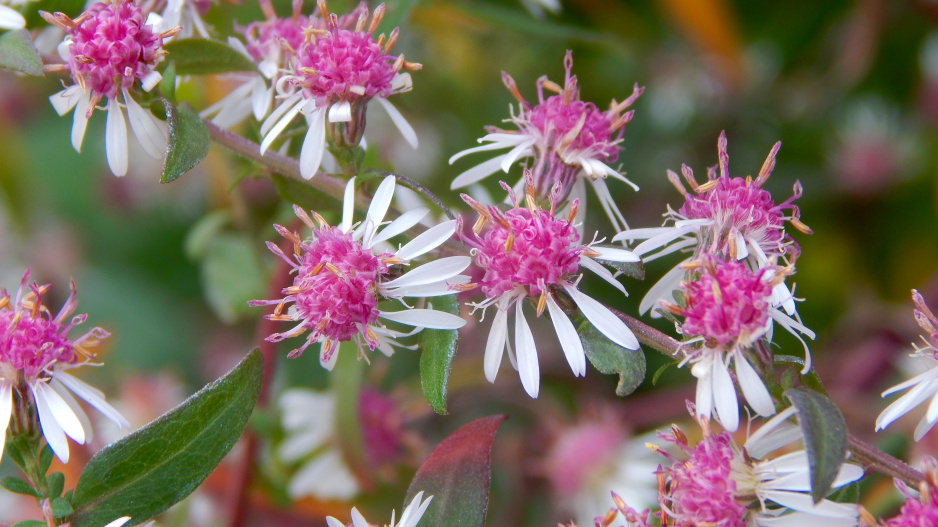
(410, 517)
(526, 251)
(732, 218)
(564, 140)
(35, 353)
(341, 276)
(109, 48)
(336, 73)
(726, 310)
(923, 386)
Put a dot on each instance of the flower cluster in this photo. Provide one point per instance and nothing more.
(108, 49)
(564, 140)
(35, 355)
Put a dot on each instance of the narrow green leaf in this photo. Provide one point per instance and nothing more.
(201, 56)
(661, 369)
(825, 437)
(168, 82)
(457, 474)
(18, 486)
(439, 349)
(56, 484)
(17, 53)
(30, 523)
(45, 459)
(146, 472)
(188, 141)
(608, 357)
(60, 507)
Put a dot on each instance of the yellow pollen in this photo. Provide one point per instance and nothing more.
(509, 242)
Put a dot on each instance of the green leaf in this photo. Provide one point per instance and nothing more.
(45, 459)
(56, 484)
(232, 275)
(17, 53)
(30, 523)
(346, 384)
(825, 437)
(146, 472)
(457, 474)
(661, 369)
(439, 349)
(849, 493)
(188, 141)
(71, 8)
(18, 486)
(168, 82)
(609, 357)
(201, 56)
(60, 507)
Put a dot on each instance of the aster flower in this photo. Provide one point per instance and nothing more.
(35, 355)
(11, 18)
(341, 275)
(108, 48)
(716, 482)
(733, 218)
(726, 310)
(920, 510)
(563, 140)
(336, 74)
(527, 251)
(923, 386)
(410, 517)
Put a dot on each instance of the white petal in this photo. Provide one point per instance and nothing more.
(6, 411)
(757, 395)
(80, 120)
(401, 224)
(741, 251)
(93, 396)
(64, 101)
(348, 205)
(615, 255)
(527, 353)
(498, 145)
(11, 19)
(414, 511)
(145, 129)
(641, 234)
(289, 104)
(805, 503)
(434, 271)
(424, 318)
(783, 297)
(662, 239)
(340, 112)
(332, 522)
(923, 427)
(381, 201)
(314, 145)
(602, 272)
(704, 397)
(118, 522)
(261, 96)
(443, 287)
(427, 241)
(900, 406)
(477, 172)
(724, 396)
(495, 345)
(358, 520)
(325, 477)
(609, 204)
(115, 138)
(662, 289)
(75, 408)
(522, 150)
(602, 319)
(568, 337)
(150, 80)
(406, 130)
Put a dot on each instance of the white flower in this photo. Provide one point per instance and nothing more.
(11, 18)
(409, 518)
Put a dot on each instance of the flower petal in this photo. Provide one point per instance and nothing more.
(115, 138)
(340, 112)
(94, 397)
(405, 128)
(527, 353)
(495, 345)
(724, 396)
(568, 337)
(6, 411)
(757, 395)
(348, 205)
(602, 319)
(11, 19)
(427, 241)
(145, 129)
(424, 318)
(403, 222)
(434, 271)
(80, 120)
(381, 201)
(314, 145)
(478, 172)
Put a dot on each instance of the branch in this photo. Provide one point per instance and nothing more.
(879, 461)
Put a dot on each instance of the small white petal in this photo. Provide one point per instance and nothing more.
(332, 522)
(63, 101)
(6, 411)
(495, 345)
(923, 428)
(522, 150)
(662, 239)
(118, 522)
(145, 129)
(427, 241)
(662, 290)
(805, 503)
(348, 205)
(602, 272)
(340, 112)
(498, 145)
(615, 254)
(704, 398)
(568, 337)
(75, 407)
(292, 108)
(261, 96)
(150, 80)
(94, 397)
(381, 200)
(724, 396)
(757, 395)
(291, 103)
(527, 353)
(602, 319)
(424, 318)
(443, 287)
(115, 138)
(900, 406)
(314, 145)
(434, 271)
(325, 477)
(358, 520)
(406, 130)
(80, 120)
(741, 251)
(477, 173)
(404, 222)
(11, 19)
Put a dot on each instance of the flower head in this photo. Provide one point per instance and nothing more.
(35, 353)
(717, 482)
(919, 510)
(109, 48)
(563, 138)
(923, 386)
(337, 72)
(727, 308)
(342, 275)
(410, 517)
(527, 251)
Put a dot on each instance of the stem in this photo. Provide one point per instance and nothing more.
(879, 461)
(649, 336)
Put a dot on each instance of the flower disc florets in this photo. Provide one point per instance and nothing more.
(111, 48)
(921, 510)
(267, 39)
(336, 285)
(703, 490)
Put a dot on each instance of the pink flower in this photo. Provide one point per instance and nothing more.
(921, 510)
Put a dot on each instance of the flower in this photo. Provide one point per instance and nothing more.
(923, 386)
(108, 49)
(11, 18)
(716, 482)
(336, 73)
(341, 277)
(726, 310)
(409, 518)
(566, 140)
(35, 354)
(187, 14)
(526, 251)
(920, 510)
(733, 218)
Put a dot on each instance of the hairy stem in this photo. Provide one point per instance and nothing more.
(879, 461)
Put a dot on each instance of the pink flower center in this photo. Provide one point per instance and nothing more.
(31, 343)
(343, 65)
(266, 39)
(337, 284)
(555, 119)
(914, 513)
(726, 303)
(534, 250)
(112, 47)
(702, 489)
